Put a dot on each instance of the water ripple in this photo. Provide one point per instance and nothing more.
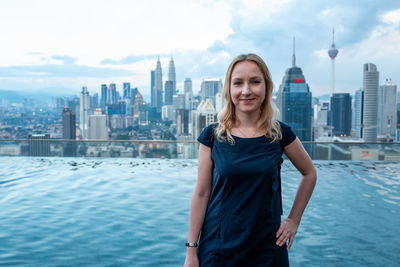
(134, 212)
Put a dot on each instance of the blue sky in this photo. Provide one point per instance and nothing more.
(60, 46)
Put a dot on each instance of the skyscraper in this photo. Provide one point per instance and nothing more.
(172, 75)
(188, 91)
(332, 54)
(387, 109)
(112, 94)
(158, 87)
(103, 99)
(153, 95)
(127, 90)
(358, 110)
(209, 88)
(202, 117)
(294, 101)
(187, 85)
(169, 92)
(370, 102)
(69, 132)
(178, 101)
(341, 114)
(84, 112)
(98, 129)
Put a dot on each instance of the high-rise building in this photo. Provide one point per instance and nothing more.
(358, 110)
(153, 94)
(168, 113)
(98, 129)
(182, 122)
(169, 92)
(116, 109)
(84, 112)
(370, 102)
(134, 91)
(69, 132)
(156, 96)
(398, 110)
(94, 102)
(202, 117)
(294, 101)
(187, 85)
(143, 114)
(73, 103)
(138, 101)
(178, 101)
(103, 99)
(341, 114)
(209, 88)
(172, 75)
(39, 145)
(126, 90)
(219, 102)
(387, 109)
(112, 94)
(189, 101)
(321, 128)
(332, 54)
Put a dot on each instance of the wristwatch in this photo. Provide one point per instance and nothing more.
(191, 244)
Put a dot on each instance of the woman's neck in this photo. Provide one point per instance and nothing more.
(247, 120)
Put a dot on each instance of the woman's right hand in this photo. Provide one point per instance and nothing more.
(191, 261)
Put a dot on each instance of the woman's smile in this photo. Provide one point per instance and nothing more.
(247, 87)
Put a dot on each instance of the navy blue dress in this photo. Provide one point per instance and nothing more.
(244, 209)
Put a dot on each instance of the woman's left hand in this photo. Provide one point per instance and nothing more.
(287, 231)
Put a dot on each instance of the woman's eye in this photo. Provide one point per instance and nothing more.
(237, 83)
(256, 81)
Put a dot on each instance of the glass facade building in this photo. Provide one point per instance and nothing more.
(341, 114)
(294, 102)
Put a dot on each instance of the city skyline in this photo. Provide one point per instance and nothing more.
(75, 46)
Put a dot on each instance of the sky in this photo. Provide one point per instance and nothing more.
(59, 46)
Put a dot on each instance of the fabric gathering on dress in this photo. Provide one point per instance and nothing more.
(244, 208)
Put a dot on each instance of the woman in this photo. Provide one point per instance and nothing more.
(236, 202)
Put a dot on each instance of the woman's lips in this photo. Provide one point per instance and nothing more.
(248, 100)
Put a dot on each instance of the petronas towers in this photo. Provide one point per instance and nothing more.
(157, 86)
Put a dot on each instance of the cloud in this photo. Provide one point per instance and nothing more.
(130, 59)
(55, 70)
(64, 59)
(202, 36)
(218, 45)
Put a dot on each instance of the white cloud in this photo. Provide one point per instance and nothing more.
(202, 36)
(94, 30)
(391, 17)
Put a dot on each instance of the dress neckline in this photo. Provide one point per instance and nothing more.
(248, 138)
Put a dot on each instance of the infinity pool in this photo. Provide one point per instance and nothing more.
(134, 212)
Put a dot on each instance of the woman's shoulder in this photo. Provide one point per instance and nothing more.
(284, 126)
(288, 136)
(208, 134)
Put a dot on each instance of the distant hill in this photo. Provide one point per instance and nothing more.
(323, 98)
(39, 96)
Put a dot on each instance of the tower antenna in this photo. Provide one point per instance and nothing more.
(294, 53)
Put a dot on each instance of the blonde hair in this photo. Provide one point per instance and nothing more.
(267, 122)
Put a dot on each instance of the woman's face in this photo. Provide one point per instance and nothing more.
(247, 87)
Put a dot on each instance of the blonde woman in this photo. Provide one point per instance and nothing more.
(235, 214)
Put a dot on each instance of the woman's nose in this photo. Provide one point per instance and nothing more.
(245, 89)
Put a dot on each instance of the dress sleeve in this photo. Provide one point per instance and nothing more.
(206, 135)
(288, 136)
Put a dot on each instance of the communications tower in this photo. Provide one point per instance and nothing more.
(332, 54)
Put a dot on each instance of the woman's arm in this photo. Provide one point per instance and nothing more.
(200, 198)
(302, 161)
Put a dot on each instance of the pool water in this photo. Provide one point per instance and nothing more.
(134, 212)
